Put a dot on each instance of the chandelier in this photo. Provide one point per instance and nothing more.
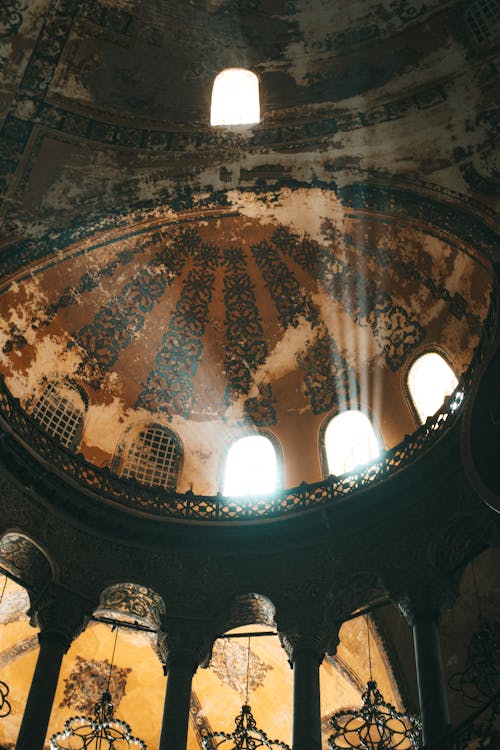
(102, 731)
(246, 734)
(376, 725)
(480, 679)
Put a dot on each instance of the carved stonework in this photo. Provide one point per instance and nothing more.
(60, 614)
(87, 682)
(424, 592)
(23, 558)
(187, 643)
(231, 662)
(132, 602)
(249, 609)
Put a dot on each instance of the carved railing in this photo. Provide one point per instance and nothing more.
(103, 482)
(480, 731)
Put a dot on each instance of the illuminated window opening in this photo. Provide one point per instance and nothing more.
(251, 467)
(430, 381)
(350, 441)
(60, 412)
(153, 458)
(235, 98)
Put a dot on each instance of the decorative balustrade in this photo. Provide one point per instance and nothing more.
(480, 731)
(103, 482)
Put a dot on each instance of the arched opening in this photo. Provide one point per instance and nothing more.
(251, 467)
(151, 455)
(60, 411)
(235, 98)
(132, 603)
(430, 380)
(349, 441)
(24, 560)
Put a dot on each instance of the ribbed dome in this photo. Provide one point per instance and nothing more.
(269, 311)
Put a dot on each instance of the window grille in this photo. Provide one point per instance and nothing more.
(60, 412)
(483, 19)
(153, 458)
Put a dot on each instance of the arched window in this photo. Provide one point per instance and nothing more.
(483, 19)
(60, 410)
(350, 441)
(151, 455)
(251, 467)
(430, 380)
(235, 98)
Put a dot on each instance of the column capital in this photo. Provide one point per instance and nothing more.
(303, 636)
(185, 642)
(59, 614)
(425, 594)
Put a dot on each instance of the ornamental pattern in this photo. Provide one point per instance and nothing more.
(327, 375)
(115, 327)
(11, 17)
(72, 294)
(24, 559)
(395, 332)
(169, 386)
(229, 662)
(329, 380)
(87, 682)
(138, 602)
(246, 346)
(292, 302)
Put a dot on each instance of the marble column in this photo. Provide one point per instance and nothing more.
(430, 677)
(306, 650)
(60, 618)
(181, 652)
(422, 605)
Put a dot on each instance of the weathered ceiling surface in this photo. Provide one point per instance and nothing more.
(212, 321)
(106, 102)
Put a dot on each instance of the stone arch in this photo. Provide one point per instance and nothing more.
(249, 609)
(25, 560)
(131, 603)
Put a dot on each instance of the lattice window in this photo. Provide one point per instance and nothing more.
(483, 19)
(251, 467)
(153, 458)
(235, 98)
(430, 380)
(350, 441)
(60, 412)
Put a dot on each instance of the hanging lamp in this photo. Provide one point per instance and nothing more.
(246, 734)
(376, 725)
(102, 731)
(5, 707)
(480, 679)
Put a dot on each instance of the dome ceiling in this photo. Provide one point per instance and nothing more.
(242, 316)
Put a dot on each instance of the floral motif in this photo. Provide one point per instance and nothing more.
(115, 327)
(231, 665)
(246, 346)
(169, 387)
(87, 682)
(394, 330)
